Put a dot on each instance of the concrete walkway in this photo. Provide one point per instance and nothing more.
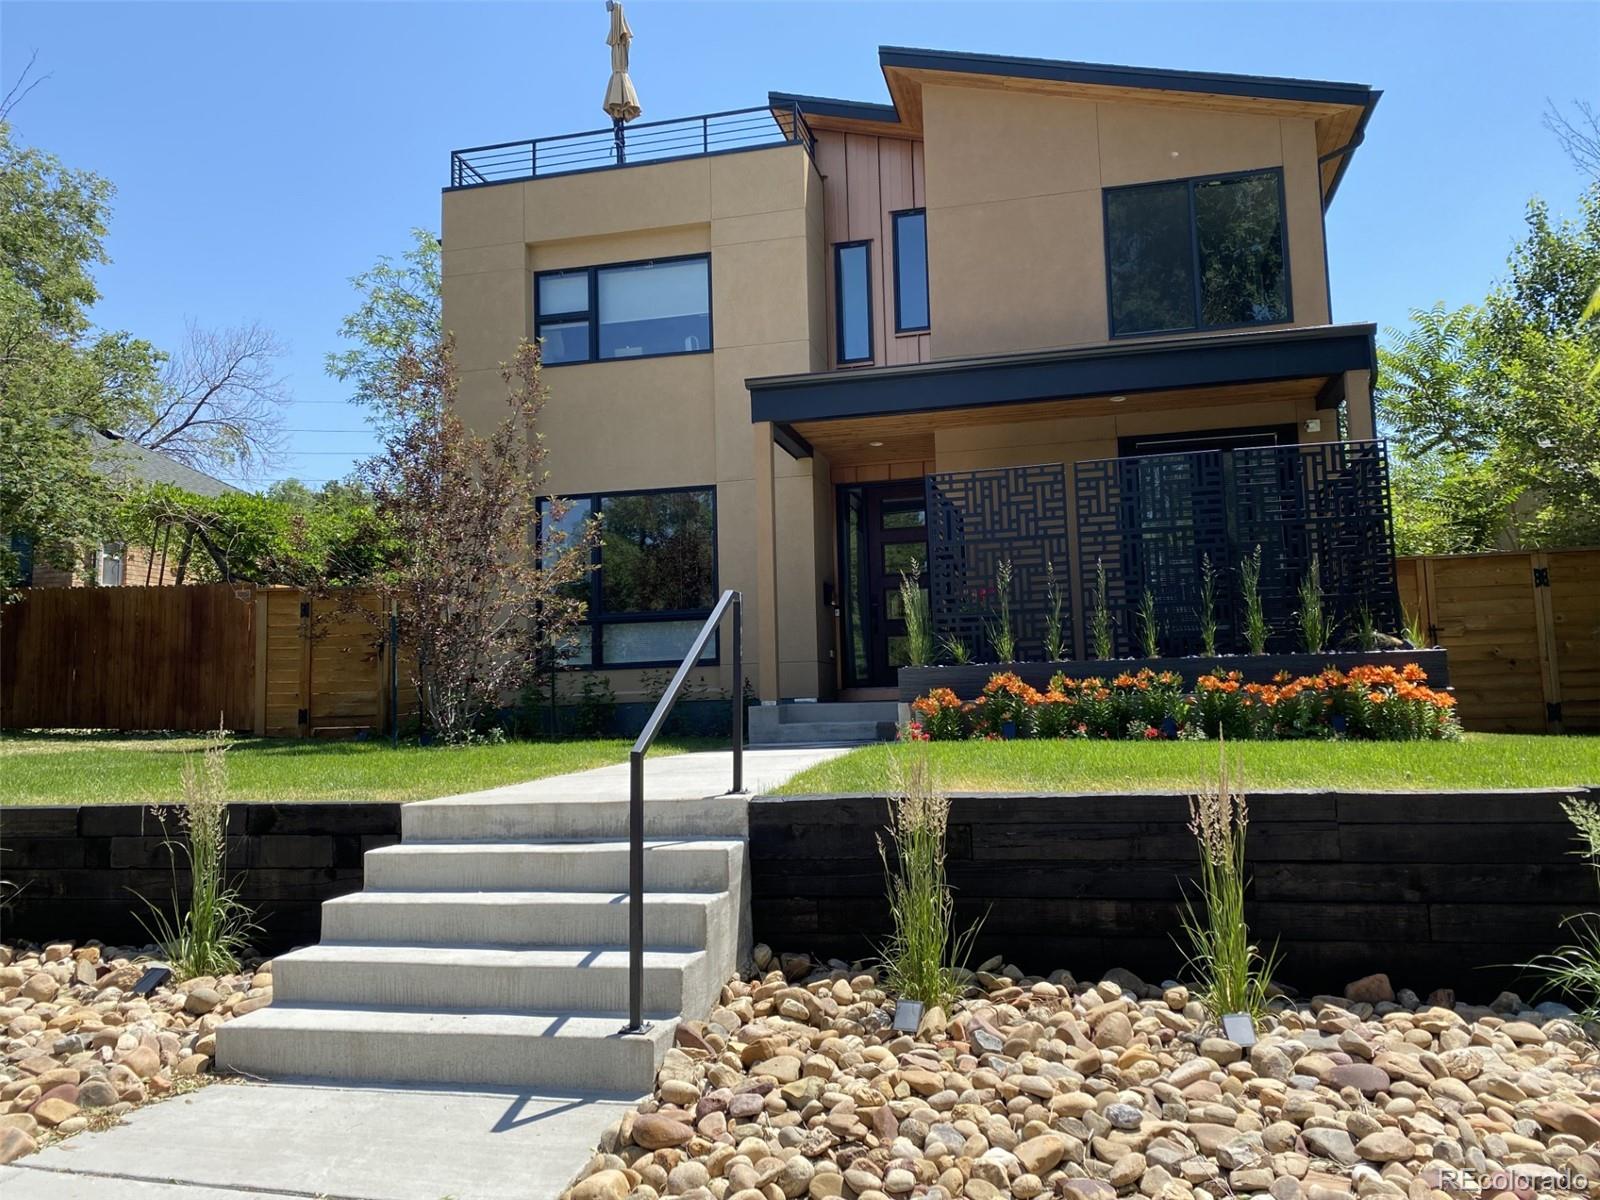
(341, 1143)
(378, 1142)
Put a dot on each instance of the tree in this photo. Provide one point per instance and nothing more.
(1494, 410)
(291, 535)
(218, 404)
(399, 312)
(1578, 135)
(480, 604)
(60, 381)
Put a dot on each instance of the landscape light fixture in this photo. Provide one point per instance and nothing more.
(1239, 1028)
(907, 1015)
(153, 978)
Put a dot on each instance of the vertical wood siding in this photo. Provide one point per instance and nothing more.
(866, 180)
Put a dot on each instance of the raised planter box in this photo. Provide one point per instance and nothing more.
(967, 679)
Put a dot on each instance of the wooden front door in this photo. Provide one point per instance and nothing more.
(885, 530)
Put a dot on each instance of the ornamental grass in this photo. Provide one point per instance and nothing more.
(1369, 703)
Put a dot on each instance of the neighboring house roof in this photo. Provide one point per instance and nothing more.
(118, 456)
(1340, 110)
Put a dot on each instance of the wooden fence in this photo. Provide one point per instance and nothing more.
(1523, 632)
(270, 661)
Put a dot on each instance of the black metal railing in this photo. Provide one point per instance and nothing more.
(728, 605)
(652, 141)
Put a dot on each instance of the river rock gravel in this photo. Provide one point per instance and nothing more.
(79, 1049)
(797, 1086)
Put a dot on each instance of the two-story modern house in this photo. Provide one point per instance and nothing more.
(1071, 316)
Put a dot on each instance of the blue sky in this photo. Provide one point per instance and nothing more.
(264, 153)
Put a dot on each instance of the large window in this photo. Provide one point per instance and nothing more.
(852, 301)
(1197, 254)
(656, 580)
(910, 271)
(629, 310)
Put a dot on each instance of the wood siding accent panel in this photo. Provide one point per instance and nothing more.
(865, 180)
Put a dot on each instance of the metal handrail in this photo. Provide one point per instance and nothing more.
(727, 605)
(649, 141)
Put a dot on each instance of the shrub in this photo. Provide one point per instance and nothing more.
(922, 957)
(956, 648)
(1001, 636)
(1100, 620)
(914, 602)
(1313, 614)
(1573, 970)
(1005, 699)
(1149, 626)
(1234, 975)
(1256, 628)
(943, 715)
(1055, 642)
(1376, 703)
(210, 936)
(1208, 606)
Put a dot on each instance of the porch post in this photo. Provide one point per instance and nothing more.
(766, 589)
(1358, 419)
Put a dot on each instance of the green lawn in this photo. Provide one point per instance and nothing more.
(1480, 760)
(97, 768)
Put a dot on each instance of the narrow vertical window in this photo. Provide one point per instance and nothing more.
(910, 271)
(852, 276)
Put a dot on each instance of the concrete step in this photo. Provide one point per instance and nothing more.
(829, 733)
(496, 918)
(677, 865)
(510, 814)
(579, 1051)
(485, 978)
(873, 711)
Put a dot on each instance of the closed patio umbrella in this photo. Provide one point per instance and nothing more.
(622, 102)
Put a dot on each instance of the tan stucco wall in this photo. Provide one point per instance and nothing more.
(676, 421)
(1016, 244)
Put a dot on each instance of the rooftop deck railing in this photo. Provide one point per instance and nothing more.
(651, 141)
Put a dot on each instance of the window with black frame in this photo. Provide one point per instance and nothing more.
(1205, 253)
(656, 577)
(910, 271)
(852, 301)
(624, 310)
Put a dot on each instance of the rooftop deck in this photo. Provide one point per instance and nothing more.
(638, 143)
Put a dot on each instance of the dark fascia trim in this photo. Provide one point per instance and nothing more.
(1119, 369)
(1266, 87)
(1347, 151)
(844, 110)
(792, 444)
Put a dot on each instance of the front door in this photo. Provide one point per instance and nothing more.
(884, 530)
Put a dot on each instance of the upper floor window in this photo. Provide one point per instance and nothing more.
(910, 271)
(625, 310)
(1207, 253)
(852, 301)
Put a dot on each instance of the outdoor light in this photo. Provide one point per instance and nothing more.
(1118, 399)
(907, 1016)
(151, 980)
(1240, 1029)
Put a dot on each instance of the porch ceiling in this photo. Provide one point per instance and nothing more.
(902, 436)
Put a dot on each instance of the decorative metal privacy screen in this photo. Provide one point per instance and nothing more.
(976, 521)
(1151, 521)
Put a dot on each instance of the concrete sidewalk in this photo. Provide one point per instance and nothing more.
(337, 1143)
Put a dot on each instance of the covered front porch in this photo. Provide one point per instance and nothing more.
(1142, 462)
